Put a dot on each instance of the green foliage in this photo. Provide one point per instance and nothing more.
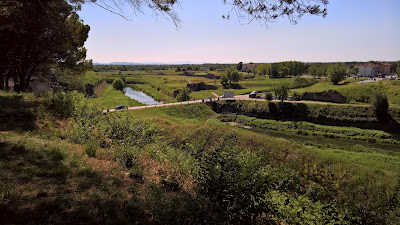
(78, 81)
(337, 73)
(340, 115)
(118, 84)
(85, 119)
(126, 131)
(236, 182)
(231, 78)
(380, 105)
(239, 66)
(268, 96)
(318, 70)
(91, 148)
(284, 69)
(302, 210)
(62, 104)
(262, 69)
(300, 82)
(37, 48)
(306, 128)
(281, 91)
(184, 95)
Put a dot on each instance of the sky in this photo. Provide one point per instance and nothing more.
(354, 30)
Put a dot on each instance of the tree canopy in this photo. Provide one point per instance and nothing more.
(231, 78)
(337, 73)
(44, 35)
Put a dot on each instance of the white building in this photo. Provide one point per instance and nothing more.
(373, 70)
(368, 70)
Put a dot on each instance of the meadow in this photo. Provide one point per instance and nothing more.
(162, 87)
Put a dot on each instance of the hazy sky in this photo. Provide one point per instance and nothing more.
(354, 30)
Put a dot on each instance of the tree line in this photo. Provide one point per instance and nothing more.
(281, 69)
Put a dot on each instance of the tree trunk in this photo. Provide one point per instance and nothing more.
(1, 83)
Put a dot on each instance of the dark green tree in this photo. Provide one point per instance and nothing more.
(50, 35)
(184, 95)
(239, 66)
(337, 73)
(281, 91)
(380, 105)
(118, 84)
(231, 77)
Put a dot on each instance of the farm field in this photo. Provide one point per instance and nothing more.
(162, 87)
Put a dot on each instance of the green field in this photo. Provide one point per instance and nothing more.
(110, 98)
(161, 87)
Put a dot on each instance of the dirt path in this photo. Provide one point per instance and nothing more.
(215, 94)
(205, 123)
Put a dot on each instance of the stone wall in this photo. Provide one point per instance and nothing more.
(325, 96)
(200, 86)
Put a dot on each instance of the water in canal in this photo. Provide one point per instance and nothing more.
(140, 96)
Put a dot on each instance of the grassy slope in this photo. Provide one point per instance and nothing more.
(356, 92)
(39, 173)
(110, 98)
(337, 158)
(306, 128)
(195, 114)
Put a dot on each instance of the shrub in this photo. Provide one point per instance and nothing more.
(126, 131)
(380, 105)
(268, 96)
(184, 95)
(85, 119)
(91, 148)
(236, 182)
(118, 84)
(62, 104)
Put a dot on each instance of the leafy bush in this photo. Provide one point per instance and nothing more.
(268, 96)
(62, 104)
(184, 95)
(85, 120)
(118, 84)
(235, 181)
(380, 105)
(91, 148)
(124, 130)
